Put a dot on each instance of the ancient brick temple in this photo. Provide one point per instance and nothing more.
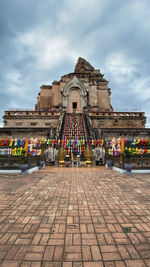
(84, 91)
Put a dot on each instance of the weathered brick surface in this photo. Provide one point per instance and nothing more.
(72, 219)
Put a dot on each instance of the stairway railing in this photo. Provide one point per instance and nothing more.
(88, 125)
(61, 126)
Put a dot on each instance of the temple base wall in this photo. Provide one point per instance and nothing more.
(31, 119)
(113, 123)
(23, 132)
(107, 133)
(117, 120)
(129, 133)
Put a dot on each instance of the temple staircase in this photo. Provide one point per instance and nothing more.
(74, 135)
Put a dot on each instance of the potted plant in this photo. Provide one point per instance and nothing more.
(24, 164)
(109, 163)
(42, 161)
(127, 160)
(109, 160)
(67, 161)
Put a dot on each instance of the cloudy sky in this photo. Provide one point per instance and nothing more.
(41, 40)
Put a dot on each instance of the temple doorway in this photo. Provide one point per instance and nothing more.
(74, 102)
(74, 106)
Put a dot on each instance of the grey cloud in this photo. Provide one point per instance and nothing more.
(41, 40)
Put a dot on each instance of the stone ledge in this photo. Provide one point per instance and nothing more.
(19, 171)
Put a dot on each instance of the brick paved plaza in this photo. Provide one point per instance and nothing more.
(75, 217)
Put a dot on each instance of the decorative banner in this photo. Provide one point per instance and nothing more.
(75, 143)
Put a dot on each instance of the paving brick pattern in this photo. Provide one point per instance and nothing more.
(74, 219)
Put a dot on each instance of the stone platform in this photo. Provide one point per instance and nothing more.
(71, 217)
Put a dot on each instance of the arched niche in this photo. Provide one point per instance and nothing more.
(74, 101)
(74, 92)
